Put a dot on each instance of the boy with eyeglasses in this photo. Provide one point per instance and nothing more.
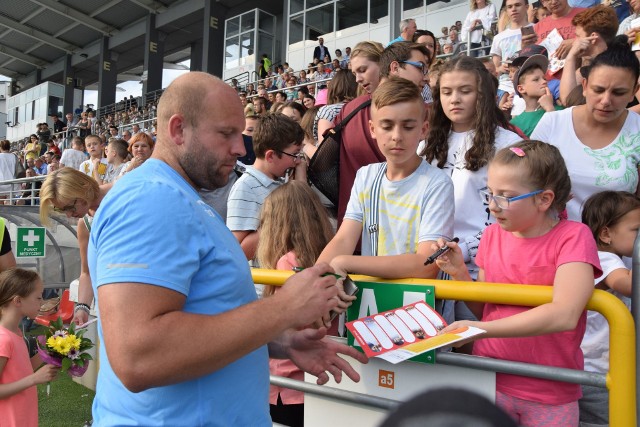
(277, 143)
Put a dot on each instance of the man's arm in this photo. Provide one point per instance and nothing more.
(165, 345)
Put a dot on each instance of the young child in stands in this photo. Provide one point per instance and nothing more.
(117, 152)
(527, 188)
(96, 166)
(467, 128)
(20, 296)
(530, 83)
(277, 143)
(614, 220)
(294, 228)
(400, 207)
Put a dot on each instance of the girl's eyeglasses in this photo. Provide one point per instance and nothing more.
(502, 201)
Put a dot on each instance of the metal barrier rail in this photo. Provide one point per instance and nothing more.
(315, 82)
(15, 192)
(342, 395)
(621, 378)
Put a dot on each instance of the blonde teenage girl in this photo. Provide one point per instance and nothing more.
(294, 228)
(527, 187)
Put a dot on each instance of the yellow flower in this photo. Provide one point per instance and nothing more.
(57, 344)
(74, 342)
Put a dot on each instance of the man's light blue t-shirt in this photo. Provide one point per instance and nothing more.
(153, 228)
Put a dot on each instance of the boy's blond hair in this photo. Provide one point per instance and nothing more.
(396, 90)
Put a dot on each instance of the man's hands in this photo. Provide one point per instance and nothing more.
(317, 355)
(310, 295)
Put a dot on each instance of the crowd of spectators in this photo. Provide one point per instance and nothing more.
(540, 87)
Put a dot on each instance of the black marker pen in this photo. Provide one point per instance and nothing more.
(434, 256)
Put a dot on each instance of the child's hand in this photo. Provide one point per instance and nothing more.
(546, 101)
(45, 374)
(507, 104)
(300, 171)
(337, 266)
(451, 262)
(460, 324)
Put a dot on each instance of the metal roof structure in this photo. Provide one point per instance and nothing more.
(37, 35)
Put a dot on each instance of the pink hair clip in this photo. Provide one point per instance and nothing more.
(518, 151)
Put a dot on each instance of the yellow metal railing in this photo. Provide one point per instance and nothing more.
(621, 378)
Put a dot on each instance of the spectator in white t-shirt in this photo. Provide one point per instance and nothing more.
(74, 156)
(508, 42)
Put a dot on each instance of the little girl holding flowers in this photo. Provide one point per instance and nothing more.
(20, 296)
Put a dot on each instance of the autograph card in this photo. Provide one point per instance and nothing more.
(402, 333)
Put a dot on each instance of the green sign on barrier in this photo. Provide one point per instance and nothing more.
(378, 297)
(30, 242)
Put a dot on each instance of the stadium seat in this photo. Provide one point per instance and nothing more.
(65, 311)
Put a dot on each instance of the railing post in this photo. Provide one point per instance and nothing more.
(635, 311)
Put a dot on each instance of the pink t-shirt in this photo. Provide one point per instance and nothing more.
(506, 258)
(21, 409)
(564, 26)
(285, 367)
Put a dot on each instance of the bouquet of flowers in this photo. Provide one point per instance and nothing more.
(65, 347)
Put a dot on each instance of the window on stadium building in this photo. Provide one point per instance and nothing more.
(310, 19)
(351, 13)
(412, 8)
(245, 42)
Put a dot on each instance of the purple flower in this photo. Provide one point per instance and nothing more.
(60, 334)
(73, 354)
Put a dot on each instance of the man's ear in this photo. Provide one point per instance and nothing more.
(176, 129)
